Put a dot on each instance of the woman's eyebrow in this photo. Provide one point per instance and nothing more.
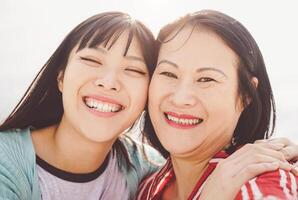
(210, 69)
(130, 57)
(168, 62)
(201, 69)
(136, 58)
(100, 49)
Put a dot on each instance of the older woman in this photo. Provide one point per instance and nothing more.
(210, 95)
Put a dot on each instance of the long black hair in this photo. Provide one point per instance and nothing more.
(257, 121)
(41, 105)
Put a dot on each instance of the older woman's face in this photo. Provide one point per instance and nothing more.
(193, 100)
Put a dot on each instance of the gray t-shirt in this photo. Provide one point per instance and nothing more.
(107, 182)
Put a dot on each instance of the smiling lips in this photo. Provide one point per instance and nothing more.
(182, 121)
(102, 106)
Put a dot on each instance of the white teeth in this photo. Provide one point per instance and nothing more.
(183, 120)
(102, 106)
(172, 118)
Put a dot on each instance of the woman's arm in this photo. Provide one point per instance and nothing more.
(18, 178)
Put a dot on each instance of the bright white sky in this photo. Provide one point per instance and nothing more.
(30, 31)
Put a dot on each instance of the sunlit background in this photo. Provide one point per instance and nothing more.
(30, 31)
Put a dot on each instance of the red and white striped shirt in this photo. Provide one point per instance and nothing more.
(274, 185)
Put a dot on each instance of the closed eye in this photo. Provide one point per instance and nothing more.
(136, 71)
(169, 74)
(91, 60)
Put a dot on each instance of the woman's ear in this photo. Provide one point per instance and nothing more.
(255, 82)
(60, 80)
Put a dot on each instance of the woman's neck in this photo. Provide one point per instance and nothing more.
(187, 174)
(188, 169)
(67, 149)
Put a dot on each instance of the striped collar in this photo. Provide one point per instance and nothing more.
(156, 184)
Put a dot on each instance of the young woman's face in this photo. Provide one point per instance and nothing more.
(103, 91)
(193, 101)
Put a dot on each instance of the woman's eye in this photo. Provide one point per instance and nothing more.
(137, 71)
(205, 79)
(91, 61)
(169, 74)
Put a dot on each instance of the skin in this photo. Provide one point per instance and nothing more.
(94, 75)
(199, 82)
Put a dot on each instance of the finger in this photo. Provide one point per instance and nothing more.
(260, 141)
(289, 167)
(290, 152)
(260, 158)
(259, 154)
(240, 163)
(271, 145)
(254, 149)
(295, 170)
(286, 166)
(268, 140)
(284, 141)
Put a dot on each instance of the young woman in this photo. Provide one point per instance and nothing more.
(210, 95)
(63, 139)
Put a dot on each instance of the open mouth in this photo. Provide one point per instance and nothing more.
(183, 120)
(102, 106)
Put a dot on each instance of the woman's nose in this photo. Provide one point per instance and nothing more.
(108, 81)
(183, 96)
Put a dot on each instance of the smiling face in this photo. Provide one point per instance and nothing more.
(104, 91)
(193, 101)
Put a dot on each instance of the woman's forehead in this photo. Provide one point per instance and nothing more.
(192, 39)
(197, 47)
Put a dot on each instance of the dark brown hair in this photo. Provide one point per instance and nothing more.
(259, 113)
(41, 105)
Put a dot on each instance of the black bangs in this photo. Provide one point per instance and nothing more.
(107, 31)
(148, 45)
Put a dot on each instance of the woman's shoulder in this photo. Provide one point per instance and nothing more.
(15, 139)
(144, 158)
(16, 145)
(145, 161)
(279, 184)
